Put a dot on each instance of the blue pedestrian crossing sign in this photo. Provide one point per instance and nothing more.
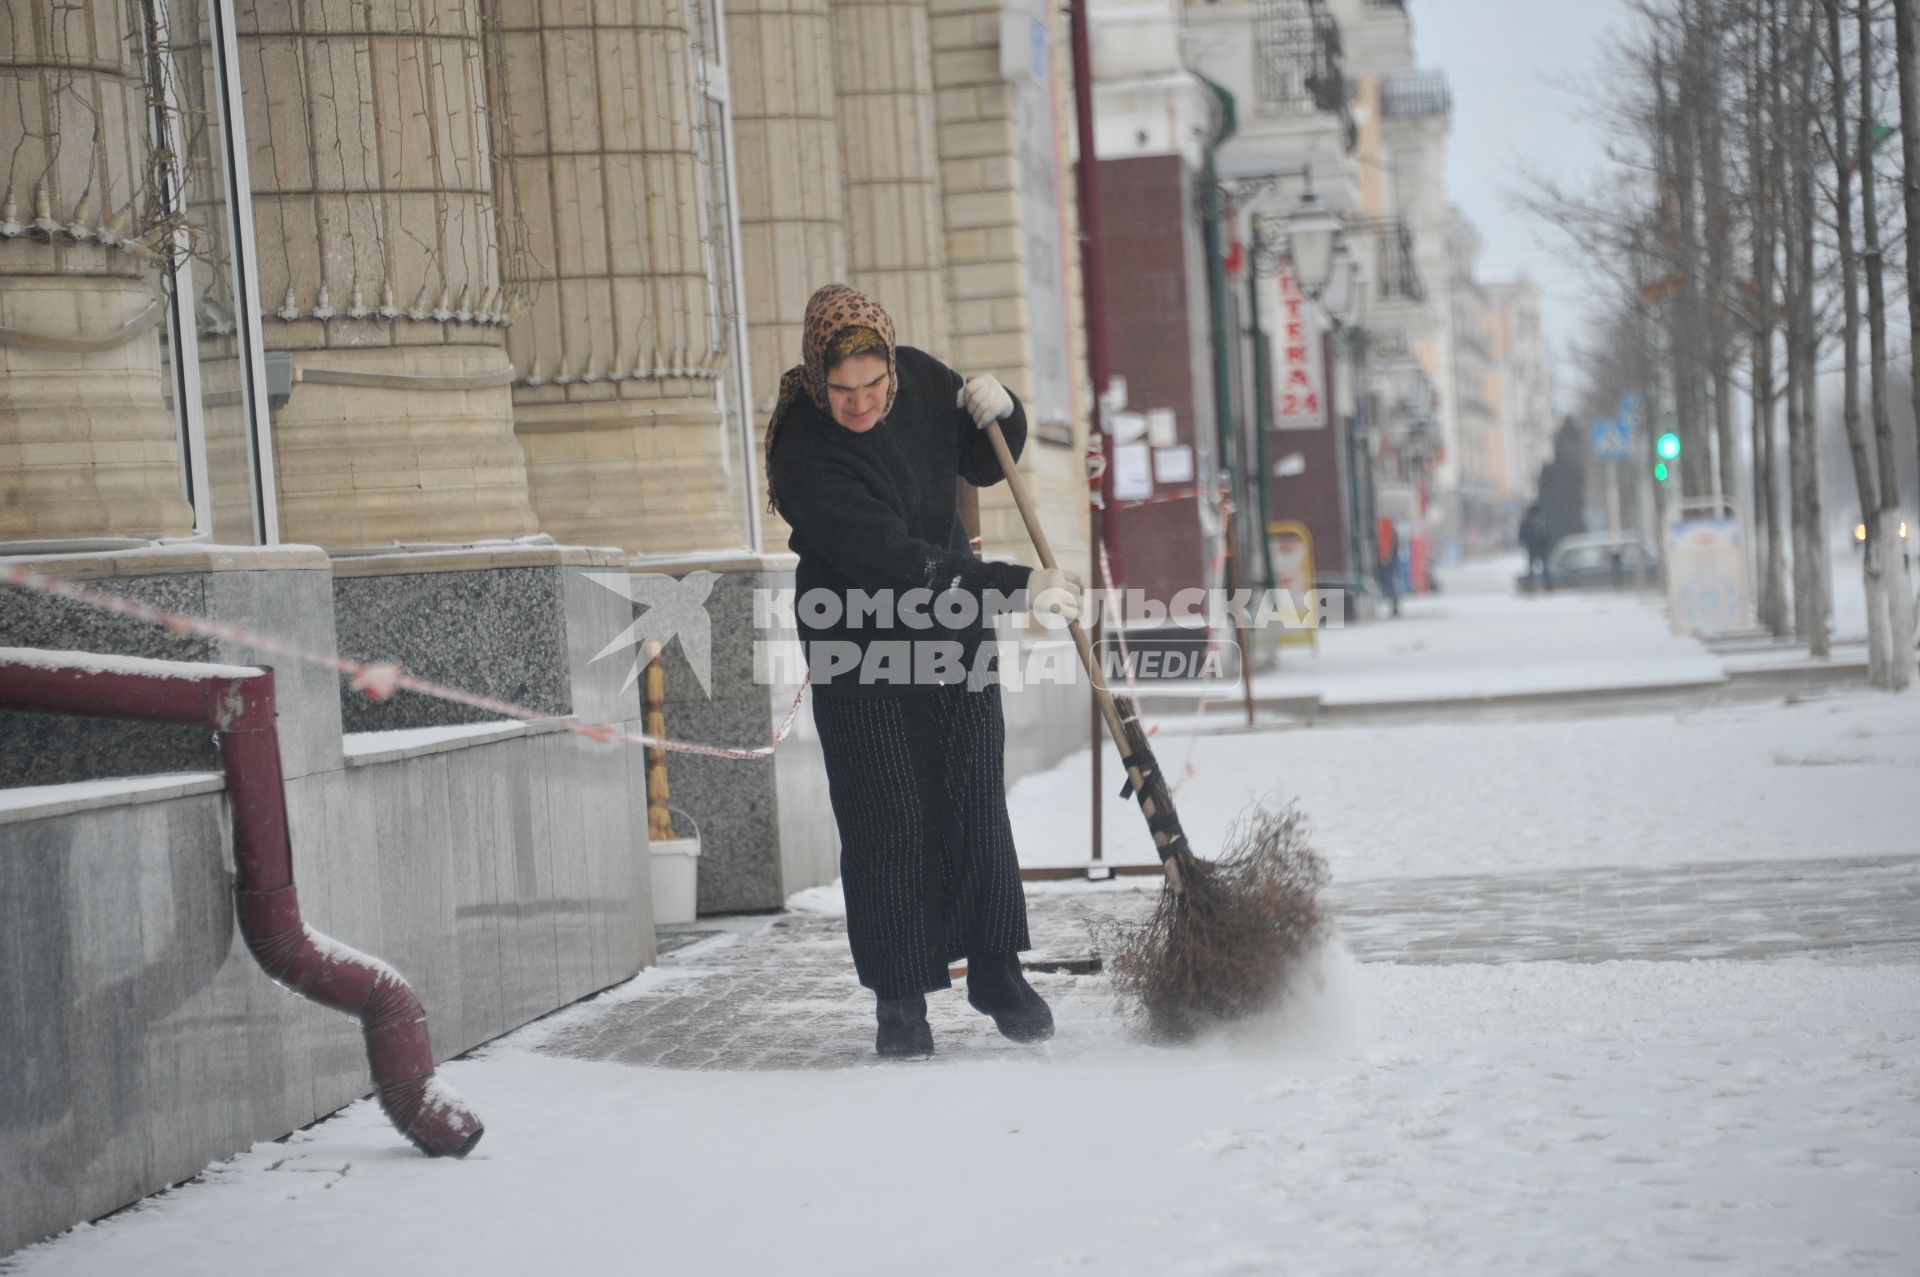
(1612, 440)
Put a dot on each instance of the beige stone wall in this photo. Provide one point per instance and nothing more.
(373, 187)
(895, 241)
(88, 443)
(792, 204)
(985, 263)
(621, 350)
(793, 235)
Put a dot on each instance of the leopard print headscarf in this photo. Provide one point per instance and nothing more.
(830, 310)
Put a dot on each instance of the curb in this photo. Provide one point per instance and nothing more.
(1764, 680)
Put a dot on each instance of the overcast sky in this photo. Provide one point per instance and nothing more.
(1519, 71)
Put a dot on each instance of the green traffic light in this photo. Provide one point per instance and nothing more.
(1668, 447)
(1660, 471)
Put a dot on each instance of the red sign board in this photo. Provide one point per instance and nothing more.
(1299, 387)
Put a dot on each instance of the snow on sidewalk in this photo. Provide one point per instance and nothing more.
(1631, 993)
(1494, 1089)
(1483, 638)
(1547, 1117)
(1825, 776)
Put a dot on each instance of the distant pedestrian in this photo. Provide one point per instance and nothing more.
(1534, 539)
(863, 451)
(1387, 560)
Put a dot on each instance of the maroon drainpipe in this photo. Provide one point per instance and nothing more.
(238, 707)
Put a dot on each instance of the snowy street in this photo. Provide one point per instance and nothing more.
(1633, 990)
(563, 561)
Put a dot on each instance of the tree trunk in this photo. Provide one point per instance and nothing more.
(1864, 486)
(1713, 176)
(1786, 121)
(1884, 566)
(1904, 54)
(1810, 594)
(1689, 335)
(1764, 161)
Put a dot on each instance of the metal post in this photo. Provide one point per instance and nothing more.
(1093, 287)
(1262, 418)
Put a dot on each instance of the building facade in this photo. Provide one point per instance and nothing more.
(1405, 114)
(1280, 65)
(437, 335)
(1155, 121)
(1474, 504)
(1525, 360)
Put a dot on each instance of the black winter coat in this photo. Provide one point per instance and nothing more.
(876, 512)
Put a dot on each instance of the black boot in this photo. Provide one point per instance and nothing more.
(996, 986)
(904, 1031)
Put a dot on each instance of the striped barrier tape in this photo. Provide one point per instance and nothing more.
(377, 680)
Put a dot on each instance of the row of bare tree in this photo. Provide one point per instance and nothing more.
(1743, 226)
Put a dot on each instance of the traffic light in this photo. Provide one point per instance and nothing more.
(1667, 448)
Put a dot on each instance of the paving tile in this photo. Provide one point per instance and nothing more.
(780, 993)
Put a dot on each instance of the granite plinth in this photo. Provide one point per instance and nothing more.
(290, 603)
(45, 749)
(737, 805)
(498, 632)
(140, 1041)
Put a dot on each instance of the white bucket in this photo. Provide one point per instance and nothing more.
(676, 873)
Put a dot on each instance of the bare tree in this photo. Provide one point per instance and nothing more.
(1889, 596)
(1763, 168)
(1708, 35)
(1909, 81)
(1811, 594)
(1729, 226)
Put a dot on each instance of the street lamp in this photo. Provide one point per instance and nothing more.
(1311, 234)
(1346, 291)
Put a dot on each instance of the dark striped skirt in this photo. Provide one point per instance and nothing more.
(926, 849)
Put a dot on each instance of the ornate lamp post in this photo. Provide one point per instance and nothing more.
(1311, 235)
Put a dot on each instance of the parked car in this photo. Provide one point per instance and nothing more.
(1596, 561)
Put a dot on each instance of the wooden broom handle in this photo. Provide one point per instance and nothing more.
(1101, 692)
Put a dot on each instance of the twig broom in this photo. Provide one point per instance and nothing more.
(1225, 937)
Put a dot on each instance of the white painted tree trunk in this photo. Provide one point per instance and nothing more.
(1890, 656)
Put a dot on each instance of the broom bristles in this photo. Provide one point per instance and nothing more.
(1228, 949)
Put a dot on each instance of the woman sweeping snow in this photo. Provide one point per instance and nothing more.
(863, 451)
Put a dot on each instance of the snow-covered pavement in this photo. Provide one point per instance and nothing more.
(1832, 775)
(1623, 993)
(1482, 638)
(1532, 1117)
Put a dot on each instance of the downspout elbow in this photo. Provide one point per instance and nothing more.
(238, 706)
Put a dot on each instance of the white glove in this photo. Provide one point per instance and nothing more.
(1054, 592)
(985, 399)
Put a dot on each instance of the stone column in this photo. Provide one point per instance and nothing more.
(792, 236)
(1012, 255)
(616, 186)
(373, 193)
(896, 241)
(88, 442)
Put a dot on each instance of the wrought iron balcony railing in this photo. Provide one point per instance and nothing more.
(1415, 95)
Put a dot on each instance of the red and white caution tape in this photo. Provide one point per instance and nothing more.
(376, 681)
